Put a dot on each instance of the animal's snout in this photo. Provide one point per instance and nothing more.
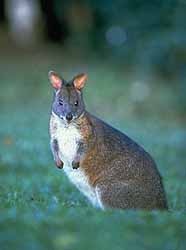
(69, 116)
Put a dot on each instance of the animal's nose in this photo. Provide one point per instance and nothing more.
(69, 116)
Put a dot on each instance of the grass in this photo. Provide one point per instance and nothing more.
(40, 209)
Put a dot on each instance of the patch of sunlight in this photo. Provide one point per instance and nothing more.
(65, 240)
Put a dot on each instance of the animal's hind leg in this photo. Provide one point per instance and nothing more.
(126, 195)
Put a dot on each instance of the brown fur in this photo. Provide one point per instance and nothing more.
(125, 173)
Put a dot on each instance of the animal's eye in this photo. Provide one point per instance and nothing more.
(60, 102)
(76, 103)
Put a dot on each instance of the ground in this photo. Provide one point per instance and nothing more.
(39, 208)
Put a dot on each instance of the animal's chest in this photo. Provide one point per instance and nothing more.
(68, 142)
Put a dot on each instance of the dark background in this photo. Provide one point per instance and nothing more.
(140, 41)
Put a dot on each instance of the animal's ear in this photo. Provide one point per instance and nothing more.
(79, 81)
(55, 80)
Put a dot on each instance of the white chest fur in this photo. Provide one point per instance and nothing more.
(68, 139)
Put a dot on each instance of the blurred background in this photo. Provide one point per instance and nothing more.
(136, 45)
(134, 53)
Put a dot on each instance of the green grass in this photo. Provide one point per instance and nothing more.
(40, 209)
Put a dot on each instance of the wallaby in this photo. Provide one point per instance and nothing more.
(107, 166)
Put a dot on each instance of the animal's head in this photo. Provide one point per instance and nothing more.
(68, 101)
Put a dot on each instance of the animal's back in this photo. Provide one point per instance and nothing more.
(119, 161)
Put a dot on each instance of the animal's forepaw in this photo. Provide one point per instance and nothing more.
(75, 165)
(59, 164)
